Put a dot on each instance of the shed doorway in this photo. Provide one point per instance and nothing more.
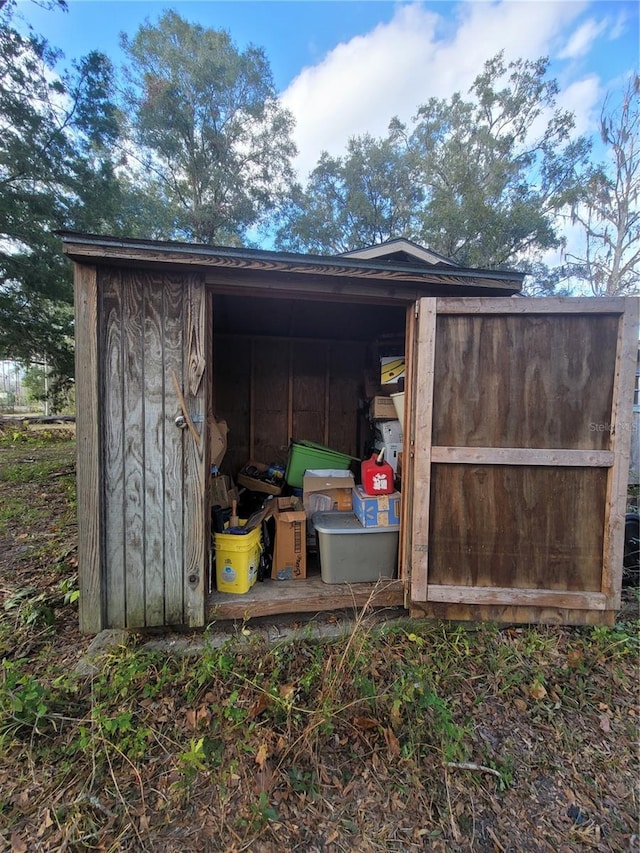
(294, 369)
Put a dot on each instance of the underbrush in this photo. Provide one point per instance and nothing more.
(399, 736)
(403, 737)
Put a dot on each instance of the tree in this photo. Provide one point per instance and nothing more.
(57, 135)
(608, 209)
(497, 169)
(210, 127)
(365, 197)
(479, 180)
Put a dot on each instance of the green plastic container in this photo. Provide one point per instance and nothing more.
(307, 454)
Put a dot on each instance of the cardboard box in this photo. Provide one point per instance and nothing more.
(223, 491)
(327, 491)
(290, 548)
(372, 386)
(376, 510)
(392, 368)
(217, 440)
(255, 484)
(382, 409)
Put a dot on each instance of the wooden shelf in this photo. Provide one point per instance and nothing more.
(311, 595)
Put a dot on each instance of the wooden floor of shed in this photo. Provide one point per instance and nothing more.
(311, 595)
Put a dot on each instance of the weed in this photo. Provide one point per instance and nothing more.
(30, 607)
(24, 701)
(69, 589)
(263, 811)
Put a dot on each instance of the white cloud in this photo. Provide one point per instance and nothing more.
(361, 84)
(583, 38)
(583, 98)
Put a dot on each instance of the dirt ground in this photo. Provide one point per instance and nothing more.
(398, 736)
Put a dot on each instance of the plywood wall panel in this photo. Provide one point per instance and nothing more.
(270, 395)
(346, 370)
(173, 517)
(523, 381)
(112, 390)
(309, 390)
(270, 390)
(133, 411)
(517, 526)
(195, 508)
(88, 441)
(232, 396)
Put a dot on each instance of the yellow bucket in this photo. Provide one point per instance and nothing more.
(237, 560)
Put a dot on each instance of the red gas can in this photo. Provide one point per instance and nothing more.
(377, 475)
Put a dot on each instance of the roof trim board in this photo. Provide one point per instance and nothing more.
(240, 263)
(396, 246)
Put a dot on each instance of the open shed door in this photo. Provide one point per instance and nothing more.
(143, 520)
(519, 450)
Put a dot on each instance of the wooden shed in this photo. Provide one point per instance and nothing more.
(516, 440)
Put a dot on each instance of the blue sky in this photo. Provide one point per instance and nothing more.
(345, 68)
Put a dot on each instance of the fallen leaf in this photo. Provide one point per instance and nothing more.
(520, 704)
(287, 690)
(365, 723)
(144, 823)
(261, 755)
(261, 704)
(17, 844)
(537, 690)
(605, 725)
(393, 744)
(574, 657)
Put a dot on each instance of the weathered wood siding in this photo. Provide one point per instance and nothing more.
(152, 328)
(270, 390)
(520, 448)
(90, 521)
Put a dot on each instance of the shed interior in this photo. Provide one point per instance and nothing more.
(293, 369)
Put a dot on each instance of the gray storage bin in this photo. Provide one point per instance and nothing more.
(351, 553)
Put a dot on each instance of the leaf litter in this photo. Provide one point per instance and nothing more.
(403, 736)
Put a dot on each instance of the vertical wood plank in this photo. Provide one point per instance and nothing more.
(111, 390)
(91, 602)
(346, 364)
(290, 393)
(232, 363)
(620, 442)
(174, 298)
(208, 388)
(406, 500)
(252, 418)
(270, 396)
(133, 414)
(327, 394)
(422, 437)
(195, 504)
(154, 449)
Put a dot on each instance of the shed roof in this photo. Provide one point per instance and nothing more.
(401, 250)
(398, 269)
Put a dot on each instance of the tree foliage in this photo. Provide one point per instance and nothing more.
(209, 123)
(608, 208)
(51, 130)
(368, 196)
(59, 168)
(480, 180)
